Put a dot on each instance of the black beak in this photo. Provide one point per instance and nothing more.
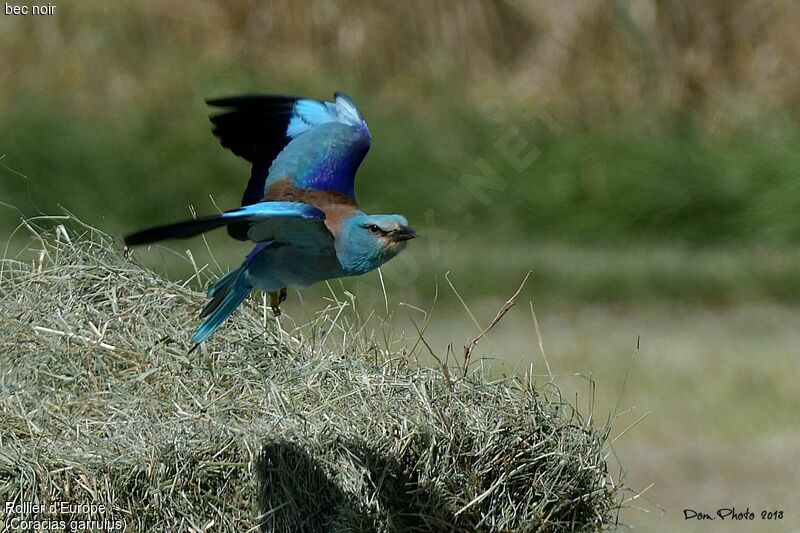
(403, 233)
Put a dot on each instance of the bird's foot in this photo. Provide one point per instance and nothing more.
(275, 299)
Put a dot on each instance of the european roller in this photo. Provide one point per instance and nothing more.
(299, 207)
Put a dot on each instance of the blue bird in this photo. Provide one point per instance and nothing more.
(299, 206)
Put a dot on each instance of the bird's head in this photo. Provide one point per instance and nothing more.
(365, 242)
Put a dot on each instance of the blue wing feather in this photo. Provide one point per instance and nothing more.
(284, 222)
(314, 144)
(325, 158)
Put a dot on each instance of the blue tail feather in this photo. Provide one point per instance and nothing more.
(227, 293)
(221, 282)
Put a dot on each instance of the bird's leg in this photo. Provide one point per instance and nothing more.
(275, 299)
(275, 302)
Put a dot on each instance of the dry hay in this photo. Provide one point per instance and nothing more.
(320, 429)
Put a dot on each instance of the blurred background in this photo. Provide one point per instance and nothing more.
(642, 158)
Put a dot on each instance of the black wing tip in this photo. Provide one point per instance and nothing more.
(135, 239)
(178, 230)
(252, 126)
(147, 236)
(249, 100)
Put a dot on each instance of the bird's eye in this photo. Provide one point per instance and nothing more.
(374, 228)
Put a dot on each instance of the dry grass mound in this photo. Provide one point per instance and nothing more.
(318, 429)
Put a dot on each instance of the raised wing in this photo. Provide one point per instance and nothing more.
(281, 223)
(314, 144)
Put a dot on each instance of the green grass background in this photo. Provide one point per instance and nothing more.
(641, 158)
